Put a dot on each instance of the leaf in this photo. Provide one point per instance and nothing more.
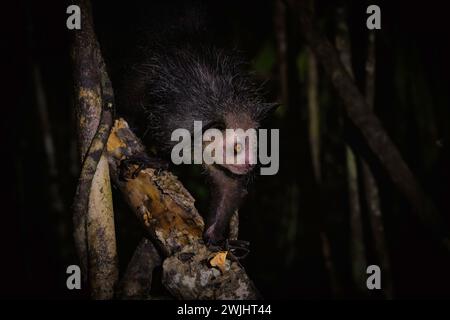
(219, 261)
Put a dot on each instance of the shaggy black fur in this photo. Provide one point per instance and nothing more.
(177, 75)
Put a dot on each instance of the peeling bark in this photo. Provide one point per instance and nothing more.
(194, 278)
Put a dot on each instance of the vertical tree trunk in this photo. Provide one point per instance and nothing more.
(281, 40)
(370, 184)
(93, 212)
(314, 115)
(335, 283)
(357, 248)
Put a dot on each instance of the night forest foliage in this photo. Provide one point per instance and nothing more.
(298, 221)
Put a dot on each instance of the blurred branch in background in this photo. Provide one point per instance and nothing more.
(282, 48)
(290, 205)
(314, 135)
(372, 195)
(314, 115)
(335, 283)
(357, 247)
(56, 200)
(48, 143)
(371, 128)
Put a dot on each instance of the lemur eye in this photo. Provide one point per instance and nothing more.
(238, 147)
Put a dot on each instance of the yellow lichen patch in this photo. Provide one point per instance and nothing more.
(140, 190)
(89, 94)
(82, 120)
(114, 142)
(219, 261)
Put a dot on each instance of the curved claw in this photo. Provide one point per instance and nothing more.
(239, 248)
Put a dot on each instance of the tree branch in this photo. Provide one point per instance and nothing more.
(357, 248)
(166, 211)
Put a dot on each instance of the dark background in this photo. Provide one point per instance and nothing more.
(284, 214)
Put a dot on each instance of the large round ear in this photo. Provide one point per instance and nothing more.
(266, 110)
